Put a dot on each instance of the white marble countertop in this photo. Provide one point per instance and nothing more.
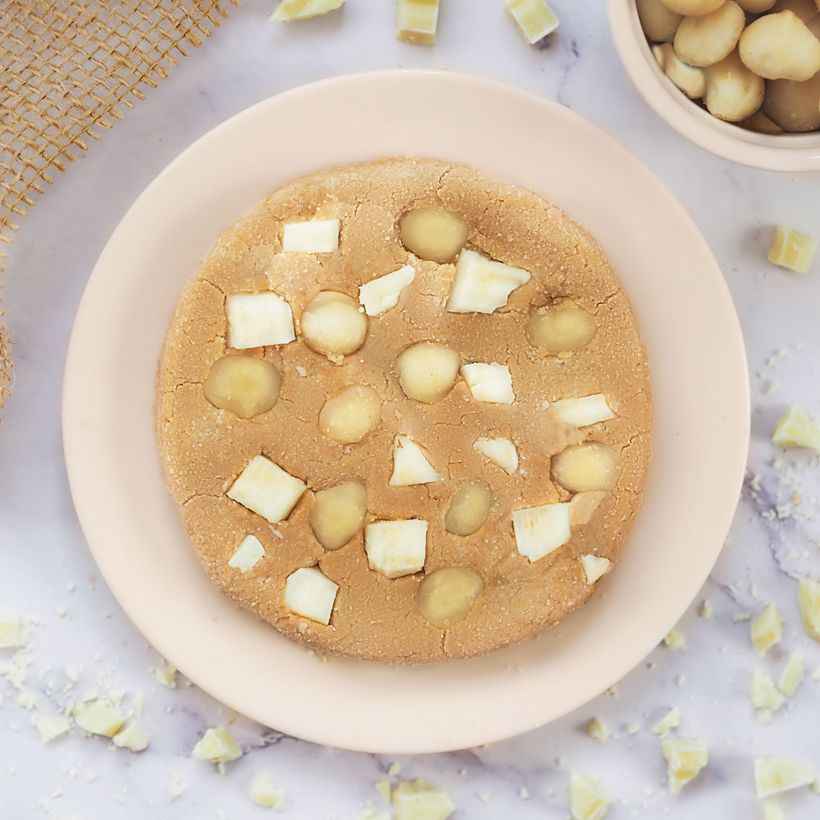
(48, 574)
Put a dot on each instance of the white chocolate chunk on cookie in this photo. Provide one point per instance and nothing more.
(583, 411)
(396, 548)
(489, 382)
(595, 567)
(217, 746)
(313, 236)
(310, 593)
(380, 295)
(774, 775)
(541, 530)
(685, 760)
(258, 319)
(416, 21)
(248, 554)
(808, 601)
(501, 451)
(586, 799)
(482, 285)
(534, 18)
(410, 464)
(582, 507)
(99, 718)
(418, 800)
(289, 11)
(266, 489)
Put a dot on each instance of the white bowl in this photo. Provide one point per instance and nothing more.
(782, 152)
(701, 423)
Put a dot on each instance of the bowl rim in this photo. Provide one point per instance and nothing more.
(133, 527)
(787, 152)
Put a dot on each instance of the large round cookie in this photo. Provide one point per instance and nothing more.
(205, 449)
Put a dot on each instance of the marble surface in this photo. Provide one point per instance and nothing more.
(81, 641)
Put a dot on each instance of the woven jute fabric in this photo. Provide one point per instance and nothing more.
(69, 69)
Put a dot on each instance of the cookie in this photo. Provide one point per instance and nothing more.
(405, 412)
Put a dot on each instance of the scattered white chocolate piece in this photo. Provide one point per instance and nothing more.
(380, 295)
(263, 793)
(489, 382)
(166, 675)
(791, 249)
(796, 429)
(671, 720)
(99, 718)
(410, 464)
(586, 799)
(808, 601)
(675, 640)
(313, 236)
(500, 451)
(13, 633)
(771, 811)
(482, 285)
(289, 11)
(132, 737)
(764, 695)
(50, 728)
(396, 548)
(597, 730)
(416, 21)
(419, 800)
(595, 567)
(310, 593)
(583, 411)
(217, 746)
(534, 18)
(266, 489)
(774, 775)
(685, 759)
(541, 530)
(766, 630)
(258, 319)
(247, 555)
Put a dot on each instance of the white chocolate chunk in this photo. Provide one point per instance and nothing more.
(771, 811)
(263, 793)
(396, 548)
(99, 718)
(410, 464)
(310, 593)
(500, 451)
(541, 530)
(132, 737)
(314, 236)
(685, 760)
(797, 429)
(418, 800)
(763, 693)
(535, 19)
(217, 746)
(489, 382)
(247, 554)
(416, 21)
(166, 675)
(582, 412)
(808, 600)
(382, 294)
(767, 629)
(13, 633)
(774, 775)
(582, 506)
(482, 285)
(289, 11)
(791, 249)
(792, 675)
(50, 728)
(675, 640)
(258, 319)
(586, 800)
(266, 489)
(597, 730)
(671, 720)
(595, 567)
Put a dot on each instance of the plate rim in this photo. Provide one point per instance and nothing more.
(73, 366)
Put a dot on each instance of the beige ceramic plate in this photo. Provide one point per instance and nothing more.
(699, 378)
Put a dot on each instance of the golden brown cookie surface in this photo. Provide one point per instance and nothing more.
(204, 448)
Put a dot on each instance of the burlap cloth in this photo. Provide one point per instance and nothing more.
(68, 71)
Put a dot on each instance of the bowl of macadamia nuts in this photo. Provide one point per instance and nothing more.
(740, 78)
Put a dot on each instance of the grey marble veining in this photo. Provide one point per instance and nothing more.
(47, 573)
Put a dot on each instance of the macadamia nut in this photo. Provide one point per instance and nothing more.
(780, 47)
(733, 92)
(333, 324)
(561, 327)
(687, 78)
(585, 467)
(427, 371)
(658, 21)
(804, 9)
(794, 106)
(703, 41)
(433, 233)
(469, 508)
(447, 595)
(756, 6)
(338, 514)
(243, 385)
(760, 123)
(351, 414)
(693, 8)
